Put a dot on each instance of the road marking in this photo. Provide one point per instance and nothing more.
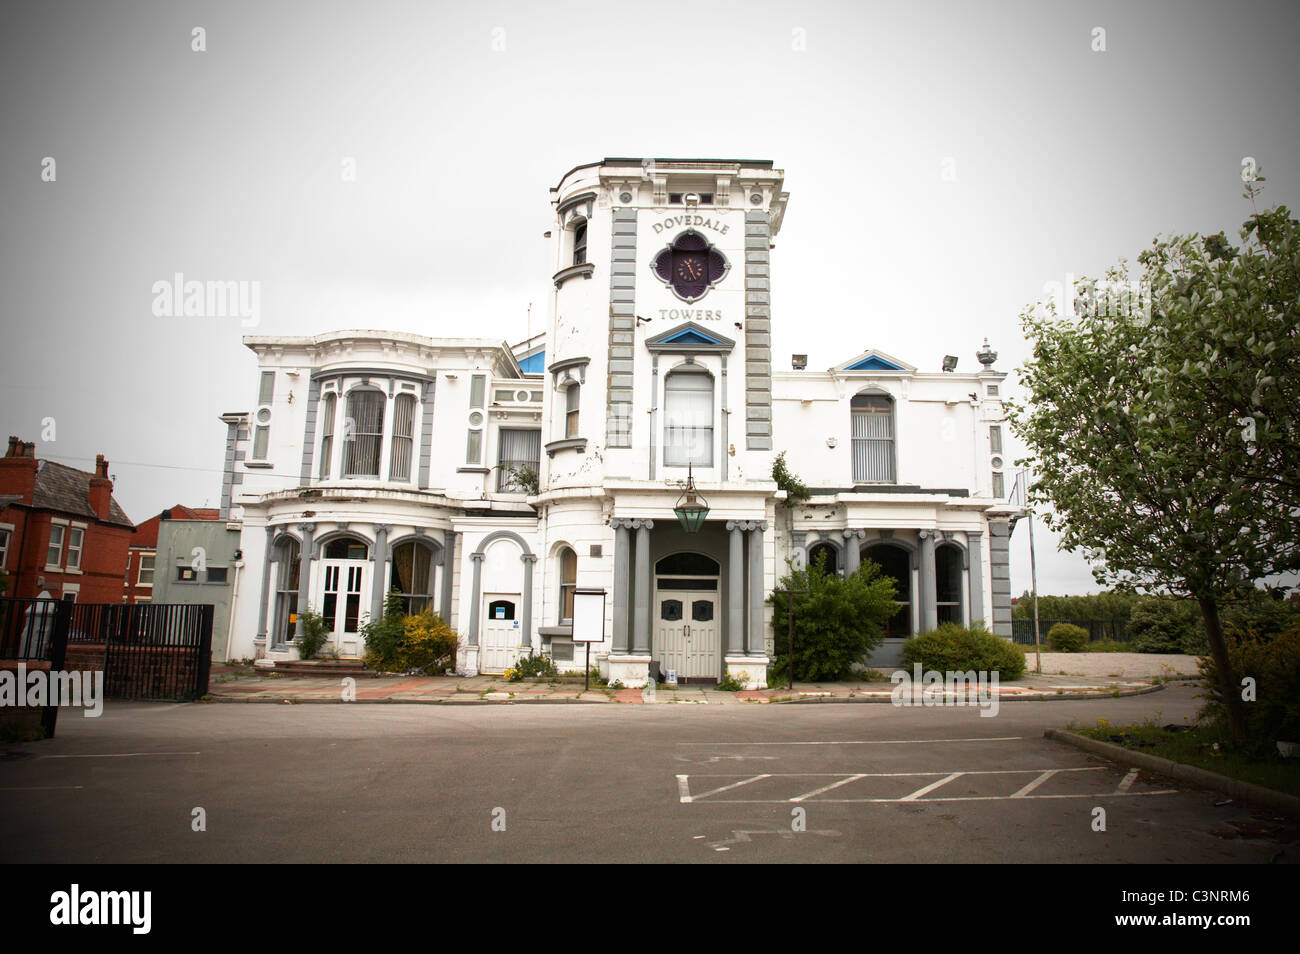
(742, 837)
(1005, 738)
(941, 798)
(687, 797)
(1035, 783)
(1128, 781)
(1086, 768)
(684, 791)
(40, 788)
(116, 755)
(827, 788)
(931, 787)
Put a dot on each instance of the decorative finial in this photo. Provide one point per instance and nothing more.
(986, 356)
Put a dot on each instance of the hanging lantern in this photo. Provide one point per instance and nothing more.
(692, 508)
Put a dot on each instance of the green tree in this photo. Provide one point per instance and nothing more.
(1162, 428)
(836, 623)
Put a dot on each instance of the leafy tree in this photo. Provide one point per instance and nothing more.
(836, 623)
(1164, 436)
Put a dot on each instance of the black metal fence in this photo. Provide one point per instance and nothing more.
(146, 650)
(1022, 630)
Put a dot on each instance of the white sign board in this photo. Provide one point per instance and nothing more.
(588, 616)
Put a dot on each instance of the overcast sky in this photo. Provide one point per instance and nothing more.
(945, 163)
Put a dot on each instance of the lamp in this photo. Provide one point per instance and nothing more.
(692, 508)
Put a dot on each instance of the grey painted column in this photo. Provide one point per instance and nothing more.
(526, 633)
(975, 557)
(304, 573)
(622, 591)
(1000, 576)
(852, 551)
(641, 626)
(736, 589)
(756, 587)
(448, 572)
(929, 604)
(377, 582)
(266, 585)
(477, 559)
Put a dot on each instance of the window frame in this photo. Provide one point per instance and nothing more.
(689, 372)
(351, 457)
(867, 413)
(572, 409)
(58, 548)
(566, 588)
(409, 438)
(152, 557)
(330, 412)
(6, 537)
(79, 549)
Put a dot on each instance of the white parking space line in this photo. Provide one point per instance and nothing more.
(118, 755)
(41, 788)
(930, 788)
(1005, 738)
(1035, 783)
(1128, 781)
(827, 788)
(725, 788)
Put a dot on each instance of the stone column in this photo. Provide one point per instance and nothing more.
(266, 584)
(975, 560)
(852, 551)
(929, 605)
(736, 589)
(622, 591)
(377, 583)
(641, 626)
(526, 625)
(304, 573)
(477, 559)
(756, 587)
(448, 572)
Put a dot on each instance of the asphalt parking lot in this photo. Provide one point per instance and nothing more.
(810, 783)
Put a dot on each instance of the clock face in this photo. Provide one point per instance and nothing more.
(690, 269)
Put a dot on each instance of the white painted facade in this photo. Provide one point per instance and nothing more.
(657, 355)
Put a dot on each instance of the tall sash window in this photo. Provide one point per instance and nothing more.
(873, 439)
(688, 419)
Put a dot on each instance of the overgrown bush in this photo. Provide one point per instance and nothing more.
(401, 642)
(1258, 614)
(1163, 625)
(532, 666)
(836, 623)
(951, 648)
(314, 634)
(1274, 714)
(1067, 638)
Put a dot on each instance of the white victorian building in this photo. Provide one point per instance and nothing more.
(487, 482)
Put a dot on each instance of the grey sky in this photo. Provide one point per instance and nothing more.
(225, 165)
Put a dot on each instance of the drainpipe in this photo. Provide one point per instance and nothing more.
(234, 596)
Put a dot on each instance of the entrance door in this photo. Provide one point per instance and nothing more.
(343, 582)
(500, 632)
(687, 638)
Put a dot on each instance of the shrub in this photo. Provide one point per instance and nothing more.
(733, 683)
(1274, 664)
(314, 634)
(950, 648)
(1163, 625)
(836, 623)
(385, 635)
(428, 644)
(1067, 638)
(531, 667)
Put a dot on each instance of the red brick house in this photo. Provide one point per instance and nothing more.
(61, 532)
(144, 550)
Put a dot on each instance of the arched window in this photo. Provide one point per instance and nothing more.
(895, 562)
(688, 418)
(873, 438)
(412, 576)
(363, 433)
(568, 583)
(824, 551)
(346, 548)
(580, 243)
(399, 467)
(947, 583)
(572, 394)
(327, 434)
(286, 556)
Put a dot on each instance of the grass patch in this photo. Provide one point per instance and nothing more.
(1201, 746)
(1109, 646)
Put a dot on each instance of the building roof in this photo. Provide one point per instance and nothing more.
(67, 490)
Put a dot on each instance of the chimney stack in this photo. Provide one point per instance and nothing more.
(18, 470)
(101, 488)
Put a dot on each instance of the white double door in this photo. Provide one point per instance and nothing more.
(687, 633)
(342, 600)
